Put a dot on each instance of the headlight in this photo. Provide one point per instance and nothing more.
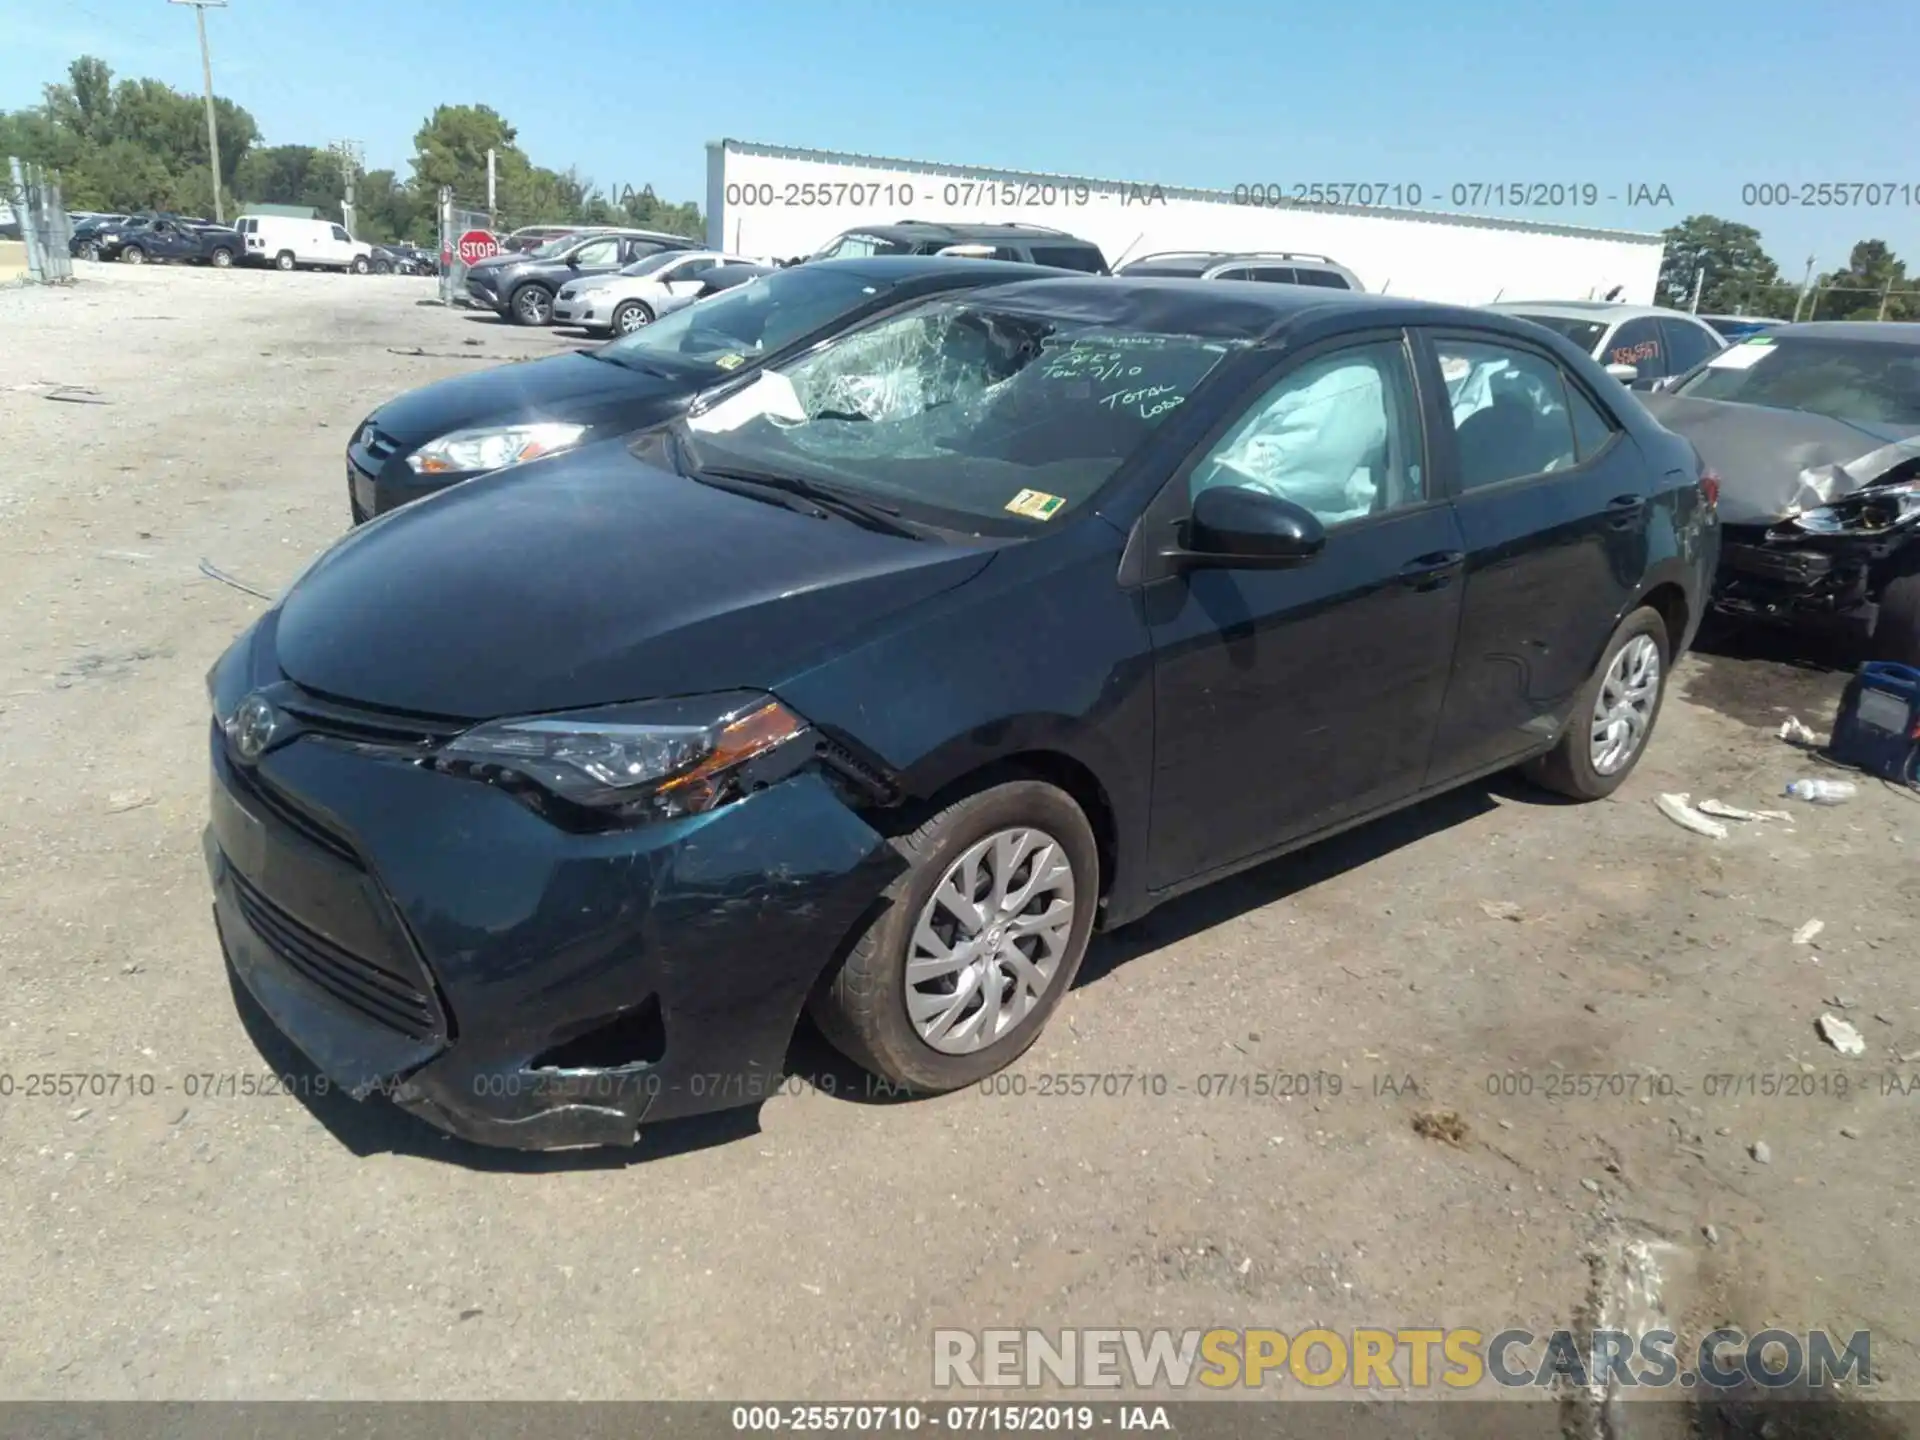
(654, 760)
(1872, 511)
(492, 447)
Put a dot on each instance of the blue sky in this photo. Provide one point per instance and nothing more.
(1701, 96)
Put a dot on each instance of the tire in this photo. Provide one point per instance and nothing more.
(1896, 630)
(283, 261)
(863, 1007)
(222, 258)
(531, 305)
(1571, 768)
(631, 315)
(134, 255)
(383, 267)
(89, 252)
(360, 265)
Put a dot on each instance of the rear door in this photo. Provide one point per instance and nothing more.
(1687, 345)
(1289, 700)
(1553, 498)
(1641, 344)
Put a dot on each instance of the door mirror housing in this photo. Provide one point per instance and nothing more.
(1235, 527)
(1625, 374)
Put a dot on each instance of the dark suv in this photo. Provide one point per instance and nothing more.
(167, 238)
(1030, 244)
(522, 286)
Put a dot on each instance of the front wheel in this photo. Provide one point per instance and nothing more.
(1896, 630)
(1613, 715)
(134, 255)
(89, 252)
(532, 305)
(629, 316)
(360, 265)
(977, 943)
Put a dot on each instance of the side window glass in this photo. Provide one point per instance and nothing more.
(1687, 345)
(1339, 436)
(1637, 343)
(1276, 274)
(600, 252)
(339, 233)
(1326, 279)
(1591, 429)
(1239, 272)
(1509, 411)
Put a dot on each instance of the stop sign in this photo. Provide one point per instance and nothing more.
(476, 245)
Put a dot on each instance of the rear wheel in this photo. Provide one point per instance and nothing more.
(134, 255)
(629, 316)
(532, 305)
(977, 943)
(1896, 631)
(222, 258)
(283, 261)
(383, 267)
(1613, 715)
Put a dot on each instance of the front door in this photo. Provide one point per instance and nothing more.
(1289, 700)
(1553, 500)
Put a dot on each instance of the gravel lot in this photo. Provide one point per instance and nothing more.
(184, 1244)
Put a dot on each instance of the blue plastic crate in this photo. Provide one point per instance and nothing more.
(1878, 726)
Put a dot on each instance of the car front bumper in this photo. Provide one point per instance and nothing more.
(1820, 578)
(482, 293)
(432, 939)
(577, 310)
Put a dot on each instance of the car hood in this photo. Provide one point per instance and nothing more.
(572, 387)
(591, 579)
(1775, 463)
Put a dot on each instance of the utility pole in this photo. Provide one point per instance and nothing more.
(1699, 284)
(1805, 285)
(493, 207)
(1885, 295)
(206, 74)
(349, 153)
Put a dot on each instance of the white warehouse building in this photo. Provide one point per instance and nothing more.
(774, 201)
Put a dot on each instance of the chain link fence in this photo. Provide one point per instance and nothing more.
(1828, 302)
(456, 220)
(45, 231)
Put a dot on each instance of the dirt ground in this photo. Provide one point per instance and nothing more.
(1469, 956)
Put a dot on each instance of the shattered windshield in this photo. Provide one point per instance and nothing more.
(1866, 382)
(748, 322)
(985, 419)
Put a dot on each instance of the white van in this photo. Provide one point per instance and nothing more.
(285, 243)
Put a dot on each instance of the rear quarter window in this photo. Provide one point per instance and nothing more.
(1070, 257)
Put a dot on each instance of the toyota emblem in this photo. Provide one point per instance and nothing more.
(253, 728)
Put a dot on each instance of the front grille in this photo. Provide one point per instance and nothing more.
(386, 729)
(292, 816)
(389, 999)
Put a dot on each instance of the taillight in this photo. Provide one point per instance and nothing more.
(1710, 489)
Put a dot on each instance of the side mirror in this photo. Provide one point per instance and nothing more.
(1233, 527)
(1625, 374)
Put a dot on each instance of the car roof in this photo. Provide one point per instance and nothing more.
(896, 268)
(958, 231)
(1228, 309)
(1596, 310)
(1883, 332)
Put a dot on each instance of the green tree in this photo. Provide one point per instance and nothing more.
(1740, 276)
(386, 208)
(451, 149)
(1855, 293)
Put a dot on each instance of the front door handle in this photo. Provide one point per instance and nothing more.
(1431, 572)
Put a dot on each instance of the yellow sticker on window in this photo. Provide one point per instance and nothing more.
(730, 362)
(1035, 504)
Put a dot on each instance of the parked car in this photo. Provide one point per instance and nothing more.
(402, 259)
(637, 294)
(532, 237)
(1281, 267)
(1815, 431)
(891, 670)
(522, 286)
(87, 235)
(288, 242)
(1739, 327)
(1644, 347)
(726, 277)
(1028, 244)
(448, 432)
(162, 240)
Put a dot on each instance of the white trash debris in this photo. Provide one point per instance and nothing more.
(1676, 809)
(1842, 1036)
(1823, 792)
(1804, 935)
(1794, 732)
(1501, 910)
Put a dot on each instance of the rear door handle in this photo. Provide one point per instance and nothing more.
(1430, 572)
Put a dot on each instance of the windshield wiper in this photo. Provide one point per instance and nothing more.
(824, 498)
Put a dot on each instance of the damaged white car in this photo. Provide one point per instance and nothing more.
(1814, 431)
